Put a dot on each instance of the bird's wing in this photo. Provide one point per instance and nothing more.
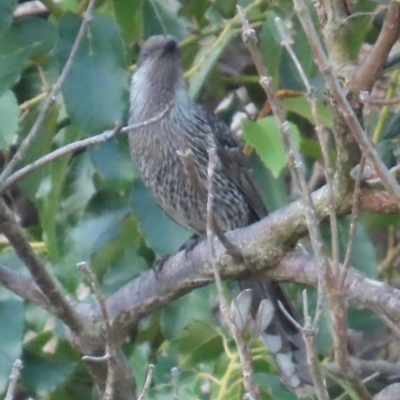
(231, 154)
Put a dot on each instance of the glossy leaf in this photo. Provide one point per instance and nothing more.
(24, 39)
(270, 46)
(265, 136)
(264, 316)
(206, 59)
(160, 19)
(162, 234)
(6, 14)
(41, 146)
(11, 335)
(114, 163)
(9, 113)
(241, 308)
(44, 374)
(301, 106)
(199, 342)
(95, 90)
(50, 197)
(130, 19)
(197, 305)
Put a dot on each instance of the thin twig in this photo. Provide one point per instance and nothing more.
(327, 163)
(357, 15)
(51, 99)
(13, 379)
(25, 287)
(175, 383)
(391, 325)
(309, 333)
(295, 162)
(347, 112)
(249, 383)
(353, 224)
(79, 145)
(382, 102)
(315, 367)
(393, 254)
(147, 382)
(110, 339)
(99, 359)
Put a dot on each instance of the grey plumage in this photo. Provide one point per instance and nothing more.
(157, 84)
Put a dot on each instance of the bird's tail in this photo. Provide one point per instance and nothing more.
(282, 338)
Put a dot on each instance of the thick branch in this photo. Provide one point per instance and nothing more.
(368, 367)
(23, 286)
(264, 245)
(179, 276)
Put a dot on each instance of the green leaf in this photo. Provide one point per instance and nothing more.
(24, 39)
(6, 13)
(118, 172)
(270, 46)
(364, 320)
(227, 8)
(272, 385)
(130, 19)
(9, 113)
(265, 136)
(195, 10)
(95, 90)
(199, 342)
(40, 146)
(196, 305)
(91, 235)
(362, 244)
(45, 374)
(207, 57)
(161, 19)
(301, 106)
(162, 234)
(11, 328)
(81, 188)
(50, 197)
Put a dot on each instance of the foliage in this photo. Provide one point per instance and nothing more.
(91, 204)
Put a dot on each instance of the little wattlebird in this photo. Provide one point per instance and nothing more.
(157, 84)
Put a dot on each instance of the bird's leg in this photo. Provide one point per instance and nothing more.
(234, 251)
(159, 264)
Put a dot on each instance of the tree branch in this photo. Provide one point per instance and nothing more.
(72, 147)
(25, 287)
(264, 245)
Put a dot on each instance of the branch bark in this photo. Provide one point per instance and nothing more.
(264, 245)
(25, 287)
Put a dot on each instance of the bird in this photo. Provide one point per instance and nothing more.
(158, 84)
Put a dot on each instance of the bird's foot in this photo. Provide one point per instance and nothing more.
(159, 264)
(190, 244)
